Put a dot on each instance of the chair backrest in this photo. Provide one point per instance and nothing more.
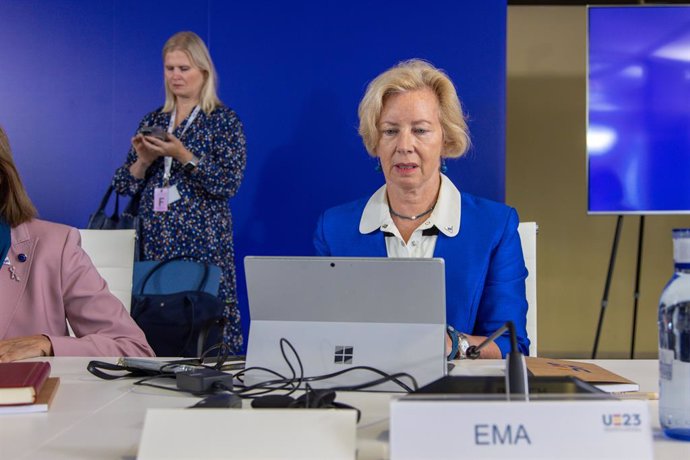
(528, 238)
(112, 252)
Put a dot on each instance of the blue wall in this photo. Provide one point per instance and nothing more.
(78, 75)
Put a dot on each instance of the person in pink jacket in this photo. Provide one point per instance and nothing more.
(47, 278)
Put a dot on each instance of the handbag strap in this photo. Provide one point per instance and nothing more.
(204, 279)
(106, 198)
(192, 320)
(132, 207)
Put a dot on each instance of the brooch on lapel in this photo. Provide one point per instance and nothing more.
(12, 269)
(13, 273)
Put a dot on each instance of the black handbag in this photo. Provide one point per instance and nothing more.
(180, 323)
(129, 219)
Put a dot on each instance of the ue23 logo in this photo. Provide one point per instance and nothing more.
(616, 420)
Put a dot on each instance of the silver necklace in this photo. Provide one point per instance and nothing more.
(411, 217)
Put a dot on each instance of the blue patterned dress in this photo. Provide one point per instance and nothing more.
(200, 223)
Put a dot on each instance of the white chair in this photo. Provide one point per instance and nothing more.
(528, 238)
(112, 252)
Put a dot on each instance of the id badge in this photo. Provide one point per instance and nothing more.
(160, 199)
(173, 194)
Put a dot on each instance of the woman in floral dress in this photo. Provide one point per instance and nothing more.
(187, 159)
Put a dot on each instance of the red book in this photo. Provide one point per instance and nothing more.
(20, 383)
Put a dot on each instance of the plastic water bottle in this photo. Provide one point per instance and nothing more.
(674, 343)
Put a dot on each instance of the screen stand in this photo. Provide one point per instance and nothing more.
(636, 295)
(607, 285)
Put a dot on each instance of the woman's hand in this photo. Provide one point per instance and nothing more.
(172, 147)
(491, 351)
(146, 153)
(25, 347)
(149, 148)
(145, 156)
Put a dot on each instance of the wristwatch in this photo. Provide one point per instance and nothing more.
(463, 345)
(459, 344)
(191, 165)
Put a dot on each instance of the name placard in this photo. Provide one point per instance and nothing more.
(452, 428)
(248, 434)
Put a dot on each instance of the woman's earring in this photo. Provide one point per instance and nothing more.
(378, 167)
(443, 167)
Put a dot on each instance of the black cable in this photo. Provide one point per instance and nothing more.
(145, 383)
(263, 388)
(385, 378)
(291, 384)
(283, 342)
(222, 356)
(266, 387)
(285, 382)
(271, 385)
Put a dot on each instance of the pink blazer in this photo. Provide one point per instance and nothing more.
(55, 279)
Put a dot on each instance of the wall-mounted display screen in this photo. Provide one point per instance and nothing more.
(638, 129)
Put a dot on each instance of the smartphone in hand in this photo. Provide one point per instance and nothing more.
(155, 131)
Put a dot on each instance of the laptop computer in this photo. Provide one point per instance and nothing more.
(339, 313)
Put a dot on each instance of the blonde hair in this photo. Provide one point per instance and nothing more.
(195, 49)
(15, 206)
(411, 75)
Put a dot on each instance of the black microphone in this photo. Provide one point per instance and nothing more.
(517, 387)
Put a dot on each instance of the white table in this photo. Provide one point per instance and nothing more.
(92, 418)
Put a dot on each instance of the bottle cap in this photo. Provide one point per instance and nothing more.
(681, 245)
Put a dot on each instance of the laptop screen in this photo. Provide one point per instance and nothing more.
(340, 313)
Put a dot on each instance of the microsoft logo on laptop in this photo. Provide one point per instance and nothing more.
(343, 354)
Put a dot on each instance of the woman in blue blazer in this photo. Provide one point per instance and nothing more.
(411, 120)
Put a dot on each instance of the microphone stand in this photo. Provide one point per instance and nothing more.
(517, 387)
